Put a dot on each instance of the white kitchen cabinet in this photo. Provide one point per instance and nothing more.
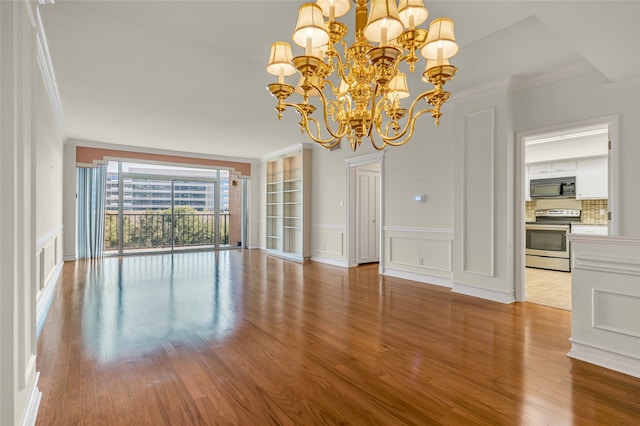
(552, 169)
(592, 178)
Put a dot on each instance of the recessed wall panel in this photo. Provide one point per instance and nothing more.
(425, 253)
(479, 193)
(328, 242)
(616, 312)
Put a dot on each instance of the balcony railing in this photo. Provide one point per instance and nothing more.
(153, 230)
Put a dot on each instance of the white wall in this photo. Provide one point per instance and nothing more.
(30, 218)
(69, 204)
(484, 197)
(257, 207)
(329, 205)
(48, 198)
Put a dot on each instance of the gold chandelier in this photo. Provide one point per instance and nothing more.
(364, 83)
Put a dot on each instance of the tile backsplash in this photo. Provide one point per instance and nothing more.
(530, 211)
(590, 212)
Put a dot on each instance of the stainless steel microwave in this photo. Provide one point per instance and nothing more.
(564, 187)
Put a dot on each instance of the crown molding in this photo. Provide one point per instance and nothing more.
(632, 83)
(46, 68)
(476, 92)
(284, 152)
(520, 83)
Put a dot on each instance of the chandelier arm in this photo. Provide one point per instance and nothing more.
(374, 108)
(325, 115)
(393, 141)
(410, 120)
(373, 141)
(305, 119)
(340, 65)
(335, 90)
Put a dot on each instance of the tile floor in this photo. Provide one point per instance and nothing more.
(551, 288)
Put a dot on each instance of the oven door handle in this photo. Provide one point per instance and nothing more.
(548, 227)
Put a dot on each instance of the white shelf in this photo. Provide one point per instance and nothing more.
(288, 196)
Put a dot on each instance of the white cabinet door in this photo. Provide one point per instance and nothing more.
(592, 178)
(563, 166)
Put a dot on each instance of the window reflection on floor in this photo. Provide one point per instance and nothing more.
(142, 300)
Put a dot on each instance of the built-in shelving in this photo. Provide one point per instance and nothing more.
(288, 205)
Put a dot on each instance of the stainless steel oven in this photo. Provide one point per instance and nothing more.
(547, 245)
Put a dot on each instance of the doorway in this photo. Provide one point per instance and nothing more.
(365, 216)
(579, 152)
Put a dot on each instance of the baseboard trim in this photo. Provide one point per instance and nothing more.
(329, 261)
(483, 293)
(35, 396)
(427, 279)
(604, 358)
(44, 302)
(70, 257)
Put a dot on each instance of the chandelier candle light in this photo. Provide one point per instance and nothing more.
(359, 90)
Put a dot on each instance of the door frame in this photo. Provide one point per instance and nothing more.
(352, 164)
(614, 184)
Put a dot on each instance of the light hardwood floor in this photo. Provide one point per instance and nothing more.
(239, 337)
(549, 288)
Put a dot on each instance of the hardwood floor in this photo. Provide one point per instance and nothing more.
(239, 337)
(549, 288)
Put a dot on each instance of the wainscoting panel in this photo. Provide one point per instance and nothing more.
(424, 251)
(479, 193)
(611, 311)
(606, 301)
(48, 263)
(328, 242)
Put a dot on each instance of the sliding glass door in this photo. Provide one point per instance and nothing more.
(157, 212)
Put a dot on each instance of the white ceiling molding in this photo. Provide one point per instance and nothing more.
(476, 92)
(624, 85)
(46, 68)
(520, 83)
(285, 152)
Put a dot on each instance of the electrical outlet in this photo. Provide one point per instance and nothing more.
(420, 261)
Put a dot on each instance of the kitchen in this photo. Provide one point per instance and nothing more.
(566, 191)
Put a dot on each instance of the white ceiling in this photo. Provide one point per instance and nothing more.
(189, 76)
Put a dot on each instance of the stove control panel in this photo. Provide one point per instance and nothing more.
(558, 213)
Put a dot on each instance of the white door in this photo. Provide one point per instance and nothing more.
(367, 216)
